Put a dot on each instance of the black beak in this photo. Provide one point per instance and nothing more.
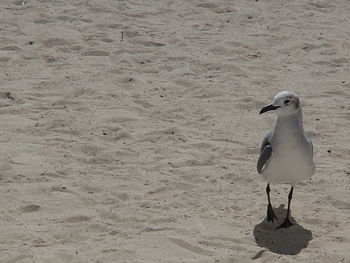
(268, 108)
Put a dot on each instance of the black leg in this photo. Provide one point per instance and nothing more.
(287, 222)
(270, 214)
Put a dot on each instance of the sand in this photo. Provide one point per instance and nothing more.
(130, 130)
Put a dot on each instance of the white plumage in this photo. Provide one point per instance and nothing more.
(286, 155)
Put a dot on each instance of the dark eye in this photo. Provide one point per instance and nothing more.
(286, 102)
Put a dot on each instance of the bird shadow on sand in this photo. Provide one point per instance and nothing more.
(285, 241)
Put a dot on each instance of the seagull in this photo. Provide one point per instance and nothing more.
(286, 154)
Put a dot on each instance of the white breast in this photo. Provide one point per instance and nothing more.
(291, 162)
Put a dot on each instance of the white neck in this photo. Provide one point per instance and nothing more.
(290, 124)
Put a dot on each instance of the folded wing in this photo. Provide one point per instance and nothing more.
(265, 153)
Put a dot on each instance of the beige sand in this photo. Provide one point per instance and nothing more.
(143, 149)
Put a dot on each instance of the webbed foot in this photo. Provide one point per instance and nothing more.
(270, 214)
(285, 224)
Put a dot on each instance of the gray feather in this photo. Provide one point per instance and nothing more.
(265, 152)
(312, 146)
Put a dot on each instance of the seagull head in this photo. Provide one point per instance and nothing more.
(285, 103)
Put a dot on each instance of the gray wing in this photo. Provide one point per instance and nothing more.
(265, 153)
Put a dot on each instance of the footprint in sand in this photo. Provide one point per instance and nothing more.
(43, 21)
(54, 42)
(209, 5)
(76, 219)
(30, 208)
(10, 48)
(95, 53)
(4, 59)
(144, 103)
(148, 43)
(190, 247)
